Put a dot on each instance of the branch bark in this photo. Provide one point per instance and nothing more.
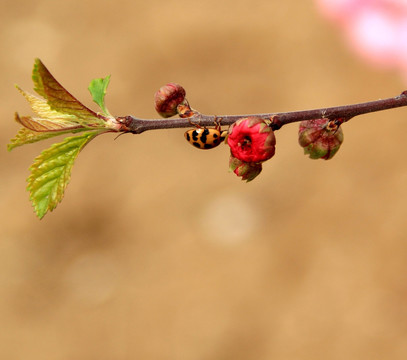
(342, 113)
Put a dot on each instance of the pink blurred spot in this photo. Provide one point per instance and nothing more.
(376, 30)
(339, 10)
(373, 35)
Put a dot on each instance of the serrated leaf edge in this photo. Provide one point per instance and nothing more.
(53, 187)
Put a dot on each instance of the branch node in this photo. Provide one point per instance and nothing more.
(276, 123)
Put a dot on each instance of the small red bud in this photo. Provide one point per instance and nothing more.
(247, 171)
(168, 98)
(320, 138)
(251, 140)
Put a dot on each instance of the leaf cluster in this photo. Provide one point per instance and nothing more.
(58, 113)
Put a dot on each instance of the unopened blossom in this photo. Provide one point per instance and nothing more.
(247, 171)
(167, 99)
(319, 140)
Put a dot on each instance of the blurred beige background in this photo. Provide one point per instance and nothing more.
(157, 252)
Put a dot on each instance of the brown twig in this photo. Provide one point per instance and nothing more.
(137, 126)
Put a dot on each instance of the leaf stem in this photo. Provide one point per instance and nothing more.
(344, 113)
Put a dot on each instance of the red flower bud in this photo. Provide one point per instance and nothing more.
(251, 140)
(319, 139)
(247, 171)
(168, 98)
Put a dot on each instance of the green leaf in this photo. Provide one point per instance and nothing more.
(44, 111)
(51, 172)
(58, 98)
(26, 136)
(97, 88)
(46, 124)
(37, 129)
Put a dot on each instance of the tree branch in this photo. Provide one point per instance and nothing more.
(342, 113)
